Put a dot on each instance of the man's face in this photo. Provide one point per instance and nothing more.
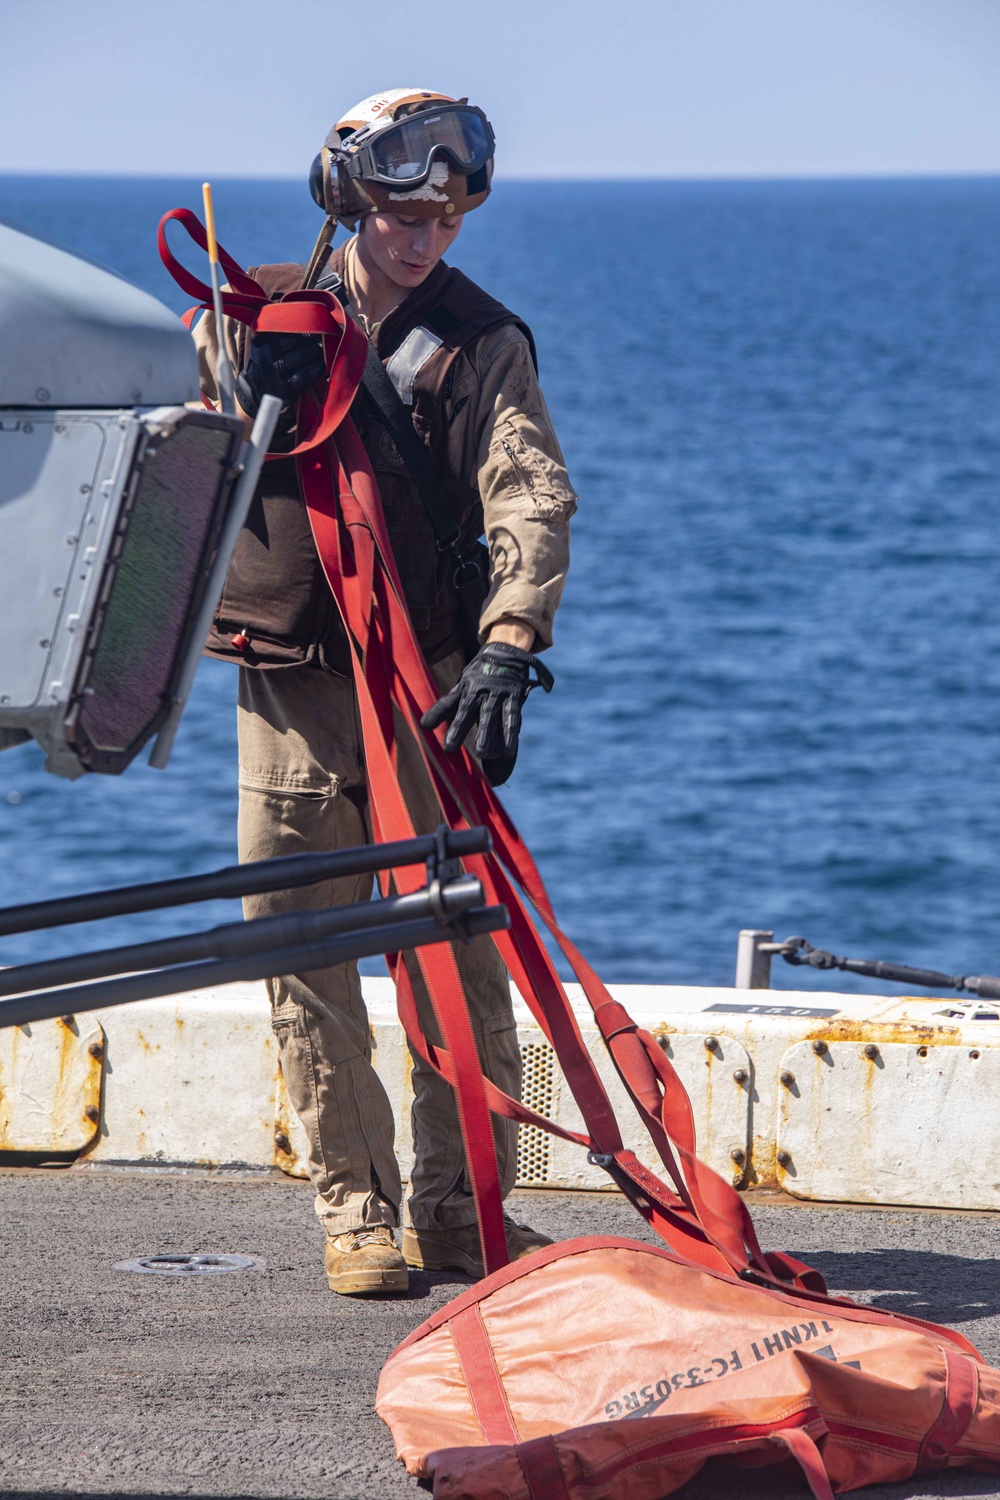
(407, 249)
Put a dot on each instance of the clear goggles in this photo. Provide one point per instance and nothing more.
(401, 155)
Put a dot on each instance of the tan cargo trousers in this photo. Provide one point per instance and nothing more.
(302, 788)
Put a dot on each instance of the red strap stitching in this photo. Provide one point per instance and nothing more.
(961, 1392)
(482, 1378)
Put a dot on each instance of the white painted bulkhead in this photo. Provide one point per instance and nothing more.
(831, 1097)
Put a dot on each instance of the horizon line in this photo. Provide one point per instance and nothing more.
(874, 175)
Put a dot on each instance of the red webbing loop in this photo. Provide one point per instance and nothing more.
(311, 312)
(361, 514)
(386, 614)
(246, 295)
(704, 1218)
(802, 1446)
(390, 816)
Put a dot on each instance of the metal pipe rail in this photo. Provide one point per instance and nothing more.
(288, 872)
(757, 948)
(236, 939)
(448, 909)
(43, 1005)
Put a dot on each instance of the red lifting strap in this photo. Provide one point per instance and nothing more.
(699, 1215)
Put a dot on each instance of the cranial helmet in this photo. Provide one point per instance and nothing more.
(409, 151)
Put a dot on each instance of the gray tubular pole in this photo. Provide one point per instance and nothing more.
(291, 958)
(253, 459)
(239, 939)
(225, 378)
(753, 968)
(285, 873)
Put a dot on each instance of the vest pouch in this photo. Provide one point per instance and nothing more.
(275, 593)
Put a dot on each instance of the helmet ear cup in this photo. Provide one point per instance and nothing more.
(316, 180)
(335, 191)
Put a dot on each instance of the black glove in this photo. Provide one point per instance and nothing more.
(491, 691)
(282, 365)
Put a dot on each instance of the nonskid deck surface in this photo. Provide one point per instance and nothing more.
(261, 1383)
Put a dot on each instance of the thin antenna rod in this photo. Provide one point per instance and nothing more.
(223, 368)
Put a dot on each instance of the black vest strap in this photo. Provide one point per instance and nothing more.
(413, 452)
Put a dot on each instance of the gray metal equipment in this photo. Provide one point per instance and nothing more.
(120, 505)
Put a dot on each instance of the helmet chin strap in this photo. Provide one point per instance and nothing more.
(321, 252)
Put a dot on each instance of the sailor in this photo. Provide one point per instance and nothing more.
(405, 166)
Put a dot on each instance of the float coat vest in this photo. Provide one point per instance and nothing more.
(276, 594)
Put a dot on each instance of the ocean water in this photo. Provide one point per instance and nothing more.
(778, 660)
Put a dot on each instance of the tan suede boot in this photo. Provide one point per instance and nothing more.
(459, 1250)
(365, 1263)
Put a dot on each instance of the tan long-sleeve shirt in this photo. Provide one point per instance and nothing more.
(501, 438)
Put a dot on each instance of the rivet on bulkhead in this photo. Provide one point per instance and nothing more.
(871, 1051)
(712, 1043)
(96, 1050)
(788, 1079)
(820, 1047)
(740, 1075)
(738, 1155)
(93, 1113)
(784, 1158)
(281, 1141)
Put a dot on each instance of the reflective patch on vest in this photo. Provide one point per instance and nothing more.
(409, 359)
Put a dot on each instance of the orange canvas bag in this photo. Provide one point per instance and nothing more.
(606, 1369)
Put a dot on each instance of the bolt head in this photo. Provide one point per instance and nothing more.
(96, 1050)
(68, 1020)
(787, 1078)
(784, 1158)
(712, 1043)
(740, 1075)
(93, 1113)
(281, 1141)
(738, 1156)
(871, 1051)
(820, 1048)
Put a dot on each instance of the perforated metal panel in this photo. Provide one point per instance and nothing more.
(538, 1092)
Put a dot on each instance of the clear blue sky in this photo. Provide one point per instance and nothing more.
(664, 88)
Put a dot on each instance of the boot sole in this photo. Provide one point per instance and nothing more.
(368, 1283)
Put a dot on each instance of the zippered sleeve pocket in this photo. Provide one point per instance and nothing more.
(535, 481)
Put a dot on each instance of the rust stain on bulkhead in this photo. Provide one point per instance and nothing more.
(712, 1056)
(918, 1033)
(50, 1088)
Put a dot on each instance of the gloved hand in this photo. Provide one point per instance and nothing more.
(282, 365)
(491, 692)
